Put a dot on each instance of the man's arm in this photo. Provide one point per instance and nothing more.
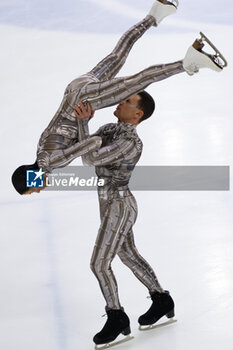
(115, 152)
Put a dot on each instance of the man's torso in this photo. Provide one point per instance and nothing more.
(117, 175)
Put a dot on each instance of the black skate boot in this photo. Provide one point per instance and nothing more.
(162, 305)
(117, 322)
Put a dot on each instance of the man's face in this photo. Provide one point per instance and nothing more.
(128, 111)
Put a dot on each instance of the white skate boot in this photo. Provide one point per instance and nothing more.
(195, 58)
(162, 9)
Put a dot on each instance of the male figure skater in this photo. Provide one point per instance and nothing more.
(60, 143)
(114, 162)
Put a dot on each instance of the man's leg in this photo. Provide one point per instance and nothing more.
(116, 222)
(130, 256)
(162, 302)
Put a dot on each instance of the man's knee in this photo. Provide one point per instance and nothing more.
(93, 267)
(100, 265)
(123, 256)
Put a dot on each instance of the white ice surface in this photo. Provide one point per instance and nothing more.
(49, 299)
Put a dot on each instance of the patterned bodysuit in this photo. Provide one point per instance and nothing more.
(114, 162)
(66, 138)
(60, 142)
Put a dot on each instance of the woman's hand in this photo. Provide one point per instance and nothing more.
(82, 112)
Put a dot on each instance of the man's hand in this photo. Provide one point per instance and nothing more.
(83, 113)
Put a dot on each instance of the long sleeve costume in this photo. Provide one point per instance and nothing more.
(114, 162)
(60, 143)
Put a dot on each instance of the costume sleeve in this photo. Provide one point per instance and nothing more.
(83, 129)
(118, 150)
(61, 158)
(43, 161)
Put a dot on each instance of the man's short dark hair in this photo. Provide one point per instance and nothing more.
(146, 104)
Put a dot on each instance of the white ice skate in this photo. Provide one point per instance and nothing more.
(162, 9)
(195, 58)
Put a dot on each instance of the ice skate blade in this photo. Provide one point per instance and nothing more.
(218, 54)
(197, 58)
(170, 2)
(153, 326)
(114, 343)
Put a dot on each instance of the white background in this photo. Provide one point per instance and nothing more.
(49, 298)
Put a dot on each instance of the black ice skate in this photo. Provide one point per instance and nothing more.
(117, 323)
(197, 58)
(162, 305)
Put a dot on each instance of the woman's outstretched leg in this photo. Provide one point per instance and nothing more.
(110, 65)
(108, 93)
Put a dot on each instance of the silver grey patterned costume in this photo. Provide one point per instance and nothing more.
(60, 142)
(66, 138)
(114, 162)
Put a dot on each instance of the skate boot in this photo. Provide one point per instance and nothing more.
(162, 304)
(162, 9)
(117, 323)
(197, 58)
